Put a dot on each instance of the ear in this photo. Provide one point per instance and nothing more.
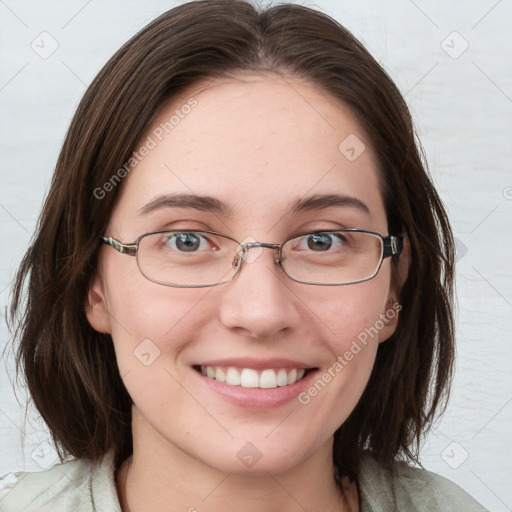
(389, 317)
(399, 271)
(96, 307)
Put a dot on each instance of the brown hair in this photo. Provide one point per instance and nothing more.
(71, 369)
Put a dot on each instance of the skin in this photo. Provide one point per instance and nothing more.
(257, 143)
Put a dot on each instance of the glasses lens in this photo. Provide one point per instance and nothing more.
(187, 258)
(332, 257)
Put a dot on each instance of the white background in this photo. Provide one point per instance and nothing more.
(462, 105)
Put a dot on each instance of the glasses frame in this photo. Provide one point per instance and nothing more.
(392, 245)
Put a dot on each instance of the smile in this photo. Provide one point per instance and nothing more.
(251, 378)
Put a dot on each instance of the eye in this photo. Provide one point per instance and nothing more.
(188, 242)
(320, 242)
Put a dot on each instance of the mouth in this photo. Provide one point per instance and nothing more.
(266, 378)
(255, 383)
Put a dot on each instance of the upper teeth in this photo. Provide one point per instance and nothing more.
(249, 378)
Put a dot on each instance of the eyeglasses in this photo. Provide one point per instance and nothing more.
(192, 259)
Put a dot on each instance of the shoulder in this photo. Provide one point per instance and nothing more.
(75, 485)
(412, 489)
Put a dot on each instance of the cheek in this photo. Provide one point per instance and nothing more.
(349, 312)
(350, 319)
(352, 346)
(158, 325)
(148, 318)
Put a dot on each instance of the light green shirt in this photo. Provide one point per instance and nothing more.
(79, 486)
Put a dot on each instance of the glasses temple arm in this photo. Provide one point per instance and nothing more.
(130, 249)
(393, 245)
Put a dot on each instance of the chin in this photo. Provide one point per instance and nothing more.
(257, 457)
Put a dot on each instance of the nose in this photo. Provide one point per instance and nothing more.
(258, 302)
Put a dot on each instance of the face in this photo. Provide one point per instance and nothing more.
(258, 144)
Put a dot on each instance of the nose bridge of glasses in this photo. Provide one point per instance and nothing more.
(244, 248)
(250, 245)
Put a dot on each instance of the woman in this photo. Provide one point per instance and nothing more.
(240, 290)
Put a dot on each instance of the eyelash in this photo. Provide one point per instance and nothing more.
(193, 225)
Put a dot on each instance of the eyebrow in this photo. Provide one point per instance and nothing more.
(202, 203)
(213, 205)
(324, 201)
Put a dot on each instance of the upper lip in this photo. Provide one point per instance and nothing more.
(257, 364)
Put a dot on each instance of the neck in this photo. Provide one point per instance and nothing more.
(170, 480)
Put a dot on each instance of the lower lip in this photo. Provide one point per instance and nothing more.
(258, 398)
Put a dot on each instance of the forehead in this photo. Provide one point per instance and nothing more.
(258, 143)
